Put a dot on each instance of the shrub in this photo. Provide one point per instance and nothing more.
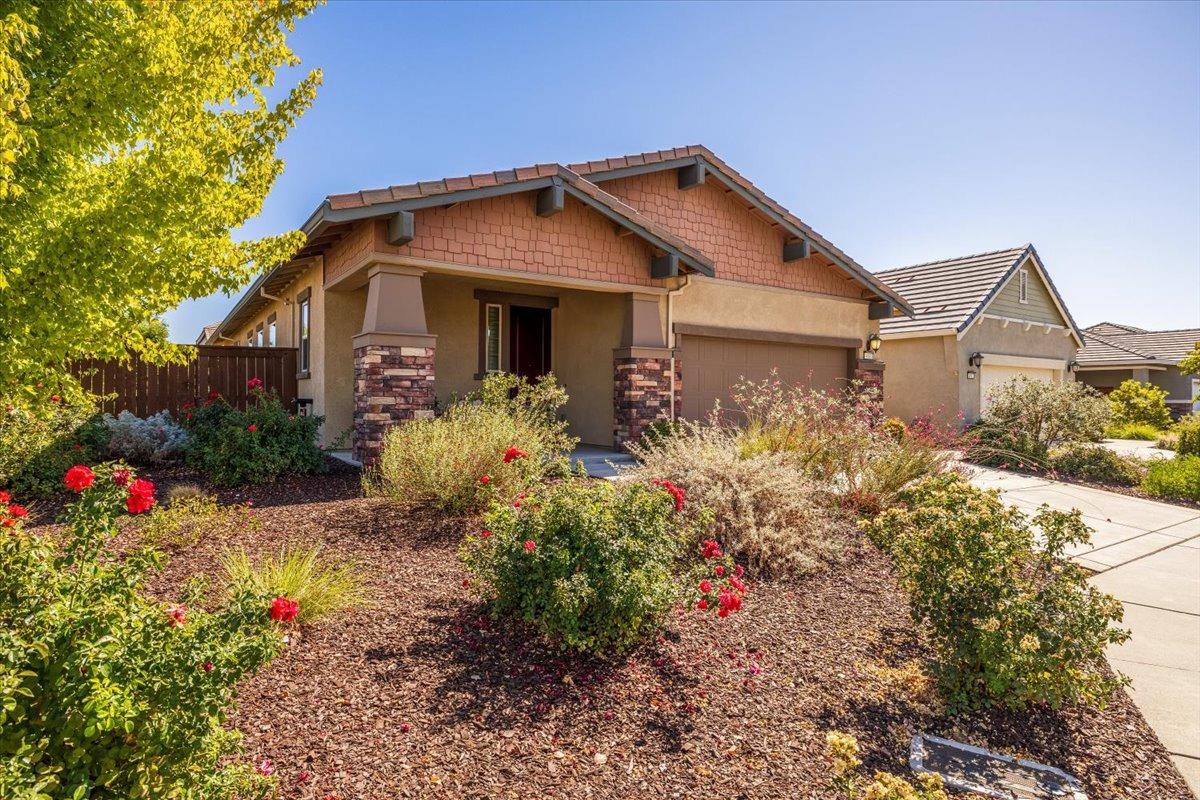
(153, 440)
(1187, 433)
(765, 512)
(104, 691)
(460, 461)
(187, 517)
(1011, 621)
(40, 440)
(889, 467)
(1025, 418)
(1175, 478)
(253, 446)
(661, 429)
(842, 751)
(1139, 403)
(592, 564)
(300, 572)
(894, 427)
(1132, 430)
(537, 405)
(1097, 463)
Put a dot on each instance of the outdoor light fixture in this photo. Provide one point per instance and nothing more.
(873, 345)
(975, 360)
(1072, 366)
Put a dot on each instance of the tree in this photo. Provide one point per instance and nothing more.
(134, 137)
(1136, 403)
(1190, 365)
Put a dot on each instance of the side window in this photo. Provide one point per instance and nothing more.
(1024, 288)
(272, 340)
(303, 315)
(258, 335)
(250, 338)
(491, 337)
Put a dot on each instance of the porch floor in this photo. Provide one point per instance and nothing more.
(601, 462)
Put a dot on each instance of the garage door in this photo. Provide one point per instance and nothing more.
(992, 376)
(712, 365)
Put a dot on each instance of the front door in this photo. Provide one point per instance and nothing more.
(529, 341)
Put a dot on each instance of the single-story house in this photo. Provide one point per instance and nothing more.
(980, 321)
(1114, 353)
(647, 283)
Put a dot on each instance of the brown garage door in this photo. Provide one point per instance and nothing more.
(712, 365)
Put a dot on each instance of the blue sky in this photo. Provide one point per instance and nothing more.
(901, 132)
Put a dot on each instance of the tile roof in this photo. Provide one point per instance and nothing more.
(1112, 329)
(1149, 347)
(947, 294)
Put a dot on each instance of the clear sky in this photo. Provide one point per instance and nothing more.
(901, 132)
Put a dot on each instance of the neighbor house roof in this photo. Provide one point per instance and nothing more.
(337, 213)
(1138, 347)
(948, 295)
(1112, 328)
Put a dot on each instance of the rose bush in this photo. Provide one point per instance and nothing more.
(106, 692)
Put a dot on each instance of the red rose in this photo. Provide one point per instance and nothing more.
(705, 586)
(5, 497)
(207, 666)
(265, 768)
(485, 534)
(252, 427)
(79, 478)
(530, 545)
(514, 453)
(675, 491)
(466, 582)
(737, 584)
(710, 549)
(121, 477)
(702, 604)
(739, 570)
(140, 497)
(17, 511)
(177, 616)
(254, 383)
(55, 398)
(719, 570)
(284, 609)
(214, 395)
(485, 479)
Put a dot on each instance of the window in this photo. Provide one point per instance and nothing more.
(258, 335)
(303, 314)
(250, 338)
(491, 340)
(271, 336)
(1024, 286)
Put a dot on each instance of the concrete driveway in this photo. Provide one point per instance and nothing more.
(1146, 554)
(1138, 448)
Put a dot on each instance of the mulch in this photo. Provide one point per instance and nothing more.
(424, 695)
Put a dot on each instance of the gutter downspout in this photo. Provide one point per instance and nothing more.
(687, 279)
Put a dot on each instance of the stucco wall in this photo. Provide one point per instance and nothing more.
(990, 336)
(921, 378)
(707, 301)
(341, 318)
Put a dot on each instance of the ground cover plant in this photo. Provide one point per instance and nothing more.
(1174, 478)
(1095, 462)
(842, 751)
(105, 691)
(187, 515)
(1025, 418)
(1137, 403)
(1012, 621)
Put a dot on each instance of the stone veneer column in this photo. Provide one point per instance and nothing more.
(870, 373)
(391, 384)
(642, 393)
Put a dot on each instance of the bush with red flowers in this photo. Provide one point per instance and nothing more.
(106, 691)
(253, 446)
(593, 564)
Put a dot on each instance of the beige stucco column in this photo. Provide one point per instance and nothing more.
(647, 382)
(393, 358)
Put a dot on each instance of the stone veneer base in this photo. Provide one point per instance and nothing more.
(391, 384)
(642, 395)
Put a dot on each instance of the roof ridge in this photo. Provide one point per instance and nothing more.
(1111, 343)
(1021, 248)
(1166, 330)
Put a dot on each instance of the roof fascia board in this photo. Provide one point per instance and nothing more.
(1096, 366)
(252, 292)
(1045, 276)
(886, 335)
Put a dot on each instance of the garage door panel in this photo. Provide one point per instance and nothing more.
(712, 366)
(994, 376)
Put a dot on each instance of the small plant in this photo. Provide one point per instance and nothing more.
(1174, 478)
(1187, 435)
(253, 446)
(537, 404)
(185, 518)
(894, 427)
(105, 691)
(153, 440)
(1136, 403)
(301, 573)
(1025, 418)
(660, 430)
(1012, 622)
(595, 565)
(460, 461)
(842, 751)
(1139, 431)
(1097, 463)
(40, 439)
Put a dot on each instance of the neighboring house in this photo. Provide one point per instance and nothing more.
(1115, 353)
(980, 321)
(207, 333)
(648, 284)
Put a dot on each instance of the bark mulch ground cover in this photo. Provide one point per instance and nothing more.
(422, 695)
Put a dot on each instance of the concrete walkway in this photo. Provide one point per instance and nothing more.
(1137, 448)
(601, 462)
(1146, 554)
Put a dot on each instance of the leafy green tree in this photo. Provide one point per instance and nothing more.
(1136, 403)
(134, 137)
(1190, 365)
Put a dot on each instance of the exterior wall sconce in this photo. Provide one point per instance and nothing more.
(1072, 366)
(976, 359)
(873, 345)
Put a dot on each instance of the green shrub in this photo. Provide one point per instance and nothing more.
(1175, 478)
(1011, 620)
(1095, 462)
(535, 404)
(842, 751)
(257, 445)
(594, 565)
(1187, 433)
(661, 430)
(1132, 430)
(106, 692)
(300, 572)
(765, 511)
(1137, 403)
(1025, 418)
(186, 517)
(40, 440)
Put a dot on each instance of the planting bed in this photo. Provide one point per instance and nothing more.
(420, 695)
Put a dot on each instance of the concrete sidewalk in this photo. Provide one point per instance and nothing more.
(1137, 448)
(1146, 554)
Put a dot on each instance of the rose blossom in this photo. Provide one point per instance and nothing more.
(284, 609)
(265, 768)
(5, 497)
(705, 586)
(177, 615)
(514, 453)
(121, 477)
(710, 549)
(252, 427)
(530, 545)
(485, 533)
(485, 479)
(719, 570)
(254, 383)
(79, 477)
(140, 497)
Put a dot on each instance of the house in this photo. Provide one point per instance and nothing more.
(980, 321)
(647, 283)
(1114, 353)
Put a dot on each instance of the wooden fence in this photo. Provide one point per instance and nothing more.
(146, 389)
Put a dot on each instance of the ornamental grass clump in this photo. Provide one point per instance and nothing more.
(1011, 620)
(322, 587)
(105, 691)
(596, 565)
